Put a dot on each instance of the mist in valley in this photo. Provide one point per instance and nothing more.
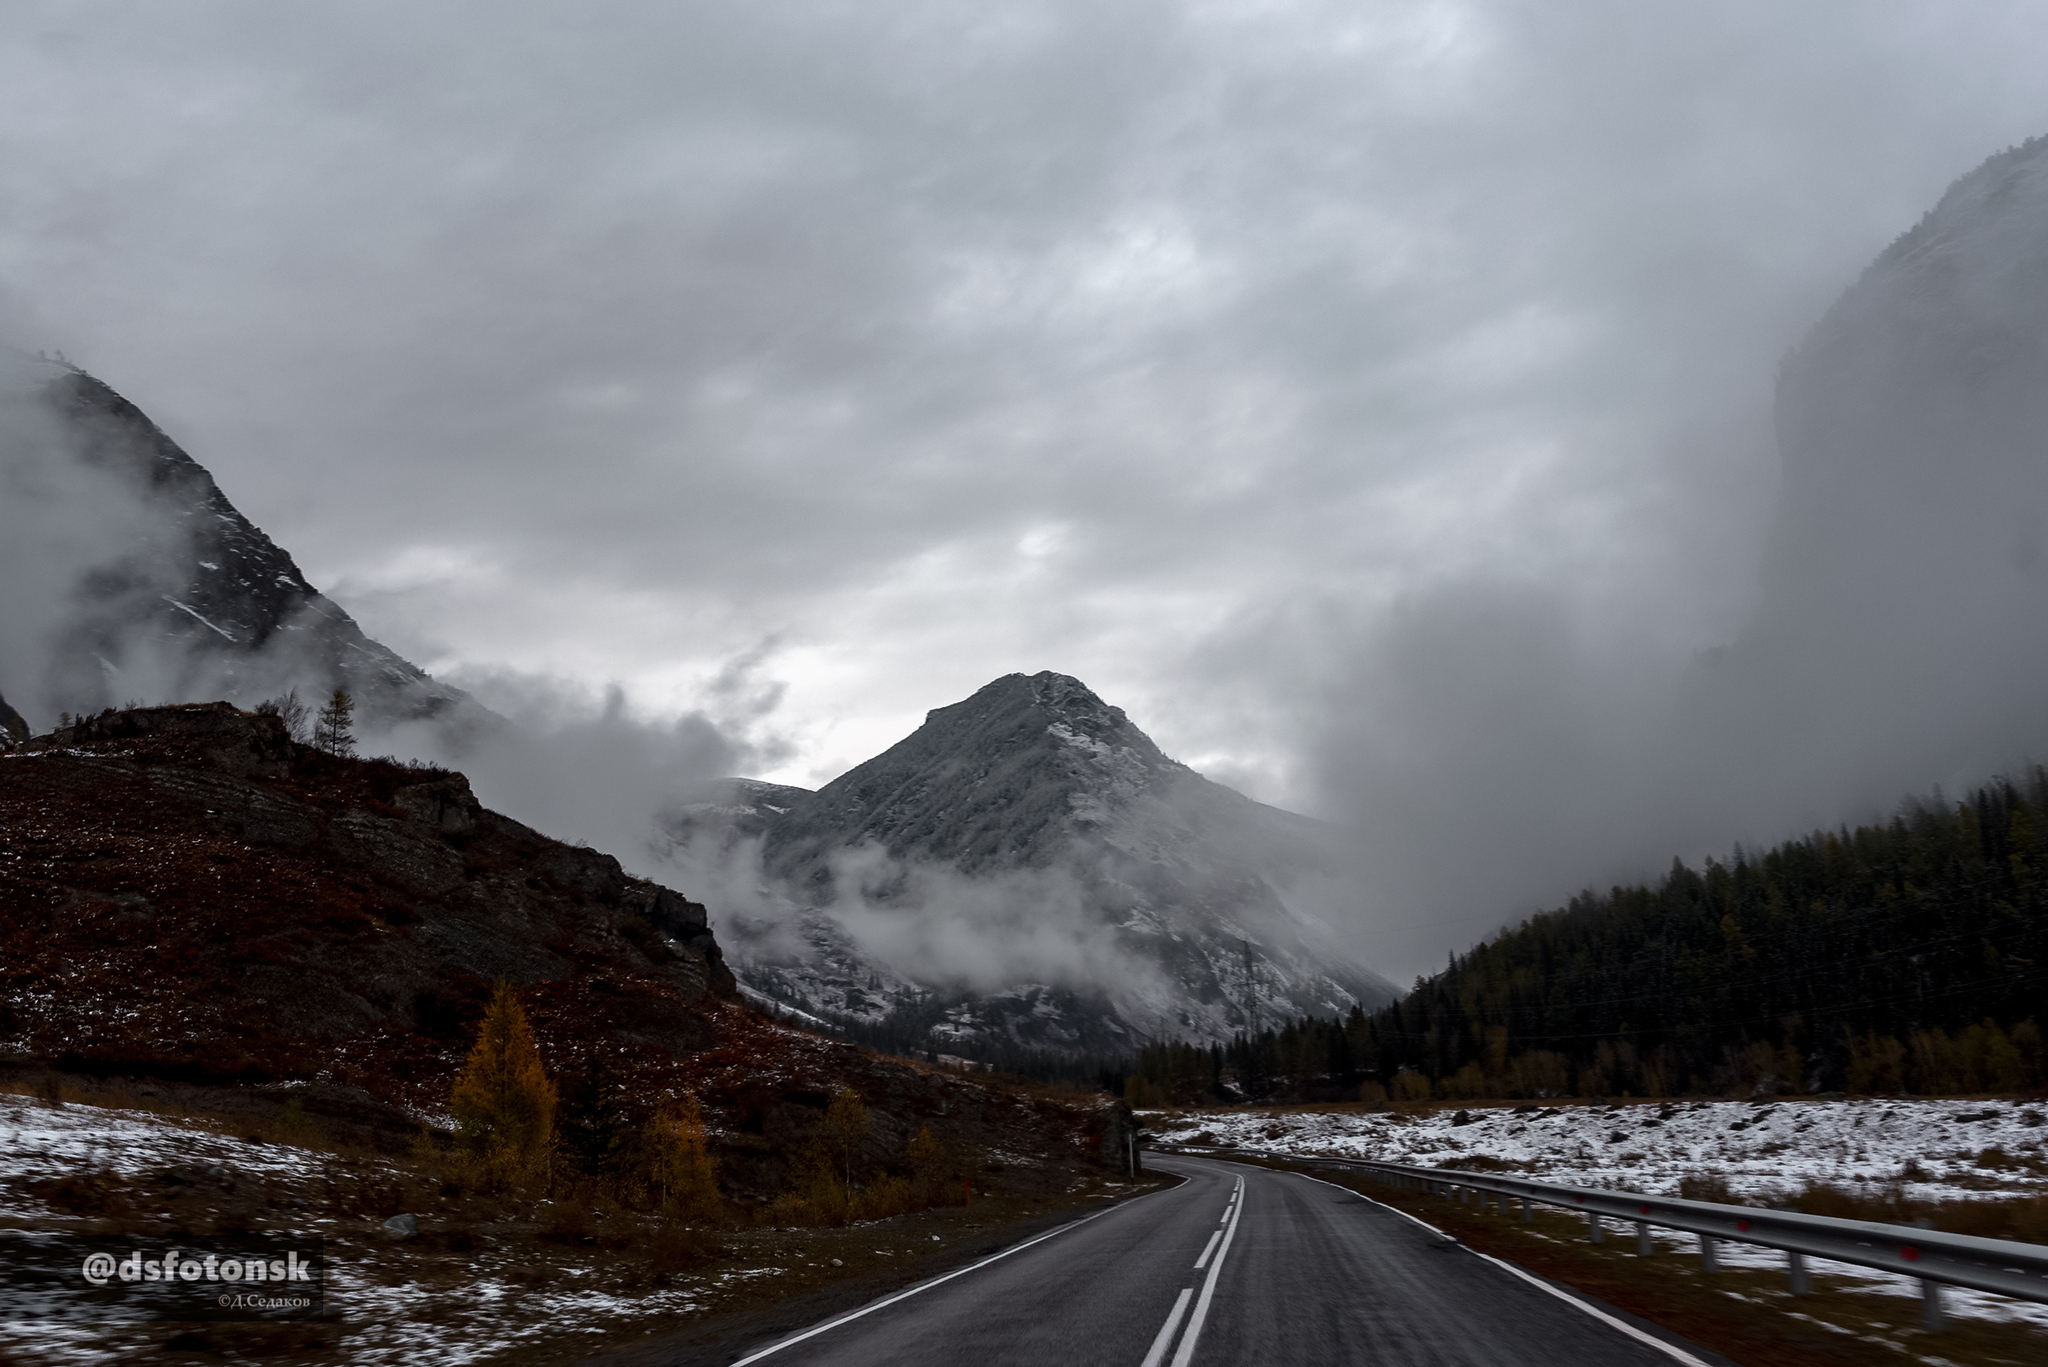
(1434, 423)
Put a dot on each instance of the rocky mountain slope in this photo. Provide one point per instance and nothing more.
(921, 888)
(193, 600)
(1902, 590)
(189, 898)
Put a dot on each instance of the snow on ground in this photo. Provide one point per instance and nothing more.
(391, 1317)
(1765, 1151)
(1935, 1149)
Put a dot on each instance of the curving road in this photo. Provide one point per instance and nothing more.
(1238, 1265)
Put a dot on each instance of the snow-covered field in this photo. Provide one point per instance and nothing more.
(392, 1315)
(1935, 1149)
(1766, 1152)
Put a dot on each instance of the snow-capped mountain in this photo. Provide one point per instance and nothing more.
(189, 598)
(1028, 870)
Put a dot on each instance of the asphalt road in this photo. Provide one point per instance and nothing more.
(1238, 1265)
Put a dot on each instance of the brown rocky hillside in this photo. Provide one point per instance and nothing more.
(190, 900)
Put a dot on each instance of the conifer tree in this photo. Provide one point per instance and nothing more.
(503, 1103)
(334, 730)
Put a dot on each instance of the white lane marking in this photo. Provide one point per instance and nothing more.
(1187, 1342)
(1203, 1261)
(1672, 1350)
(1160, 1344)
(937, 1281)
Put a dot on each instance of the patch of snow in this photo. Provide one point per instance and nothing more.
(194, 615)
(1765, 1151)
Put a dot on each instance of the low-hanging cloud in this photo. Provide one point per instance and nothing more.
(1375, 402)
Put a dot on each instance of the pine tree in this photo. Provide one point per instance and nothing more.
(503, 1103)
(334, 730)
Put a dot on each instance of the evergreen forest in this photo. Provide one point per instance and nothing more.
(1906, 956)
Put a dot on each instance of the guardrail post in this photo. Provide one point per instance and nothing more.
(1932, 1318)
(1528, 1211)
(1802, 1281)
(1593, 1229)
(1707, 1259)
(1643, 1246)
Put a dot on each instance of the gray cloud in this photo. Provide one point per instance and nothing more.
(1375, 402)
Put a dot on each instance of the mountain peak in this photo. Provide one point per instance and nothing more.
(1033, 808)
(209, 605)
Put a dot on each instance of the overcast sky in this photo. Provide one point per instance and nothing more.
(817, 363)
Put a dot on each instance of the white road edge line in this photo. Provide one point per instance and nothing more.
(1671, 1350)
(936, 1281)
(1160, 1344)
(1203, 1261)
(1187, 1342)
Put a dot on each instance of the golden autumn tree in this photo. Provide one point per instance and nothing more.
(844, 1129)
(930, 1164)
(683, 1166)
(503, 1103)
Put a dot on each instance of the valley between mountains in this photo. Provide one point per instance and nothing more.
(285, 952)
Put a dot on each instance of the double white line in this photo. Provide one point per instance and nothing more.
(1219, 1245)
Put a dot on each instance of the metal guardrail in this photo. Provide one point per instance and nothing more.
(1999, 1266)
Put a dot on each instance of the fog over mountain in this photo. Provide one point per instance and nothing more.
(1028, 871)
(132, 576)
(1377, 403)
(1897, 642)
